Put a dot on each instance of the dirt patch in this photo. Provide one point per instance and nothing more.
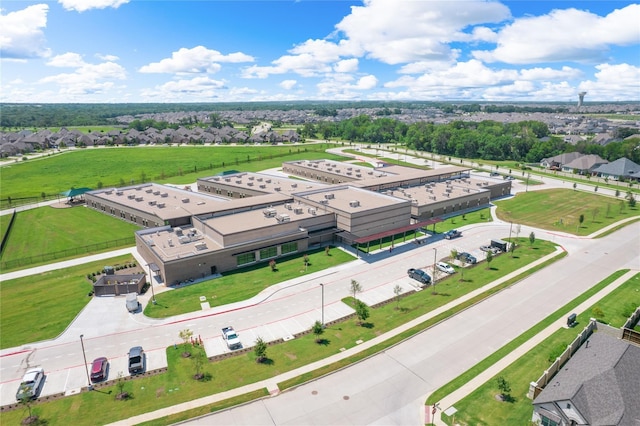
(291, 356)
(159, 392)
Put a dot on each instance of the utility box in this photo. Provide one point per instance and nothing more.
(571, 320)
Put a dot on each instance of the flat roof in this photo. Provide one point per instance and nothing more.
(263, 183)
(436, 192)
(348, 198)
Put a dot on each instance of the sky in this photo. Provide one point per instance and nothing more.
(119, 51)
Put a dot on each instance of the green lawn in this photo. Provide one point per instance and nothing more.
(560, 210)
(175, 386)
(481, 406)
(26, 316)
(242, 284)
(39, 233)
(123, 166)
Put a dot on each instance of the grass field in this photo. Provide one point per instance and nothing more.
(482, 408)
(242, 284)
(47, 230)
(124, 166)
(175, 386)
(560, 210)
(28, 317)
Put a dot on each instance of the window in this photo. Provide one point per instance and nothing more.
(245, 258)
(547, 422)
(289, 248)
(268, 252)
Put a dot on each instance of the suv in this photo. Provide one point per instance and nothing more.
(99, 369)
(452, 234)
(467, 258)
(30, 385)
(445, 267)
(419, 275)
(136, 360)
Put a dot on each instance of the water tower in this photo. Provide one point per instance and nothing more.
(581, 99)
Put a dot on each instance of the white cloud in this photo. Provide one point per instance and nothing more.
(197, 88)
(196, 60)
(565, 35)
(110, 58)
(21, 33)
(84, 5)
(367, 82)
(69, 59)
(288, 84)
(547, 73)
(346, 65)
(87, 79)
(409, 31)
(613, 82)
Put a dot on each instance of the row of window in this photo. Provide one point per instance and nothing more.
(266, 253)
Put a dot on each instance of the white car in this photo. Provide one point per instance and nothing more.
(30, 385)
(445, 267)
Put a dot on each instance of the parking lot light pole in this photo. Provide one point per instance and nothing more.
(435, 255)
(86, 369)
(322, 287)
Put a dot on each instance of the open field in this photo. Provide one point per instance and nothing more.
(38, 233)
(560, 210)
(151, 393)
(124, 166)
(481, 406)
(27, 317)
(242, 284)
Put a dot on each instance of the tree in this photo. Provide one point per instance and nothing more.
(617, 193)
(504, 387)
(594, 213)
(532, 238)
(632, 201)
(397, 290)
(318, 329)
(580, 220)
(575, 185)
(454, 254)
(272, 264)
(27, 402)
(260, 350)
(512, 248)
(198, 362)
(186, 335)
(305, 258)
(362, 311)
(489, 259)
(326, 250)
(355, 288)
(122, 395)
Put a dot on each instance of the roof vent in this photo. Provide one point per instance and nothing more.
(354, 203)
(281, 218)
(270, 212)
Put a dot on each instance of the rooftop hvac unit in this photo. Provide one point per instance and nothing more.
(277, 188)
(249, 183)
(298, 210)
(119, 192)
(287, 206)
(170, 242)
(312, 211)
(281, 218)
(324, 201)
(156, 192)
(108, 192)
(349, 173)
(149, 191)
(267, 181)
(329, 196)
(201, 246)
(152, 202)
(160, 205)
(238, 182)
(185, 200)
(138, 198)
(227, 179)
(131, 196)
(178, 231)
(252, 177)
(259, 179)
(269, 212)
(354, 203)
(216, 178)
(349, 168)
(294, 185)
(358, 175)
(263, 186)
(164, 194)
(150, 242)
(138, 188)
(370, 173)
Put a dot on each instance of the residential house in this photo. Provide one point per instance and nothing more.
(585, 164)
(599, 385)
(621, 168)
(559, 160)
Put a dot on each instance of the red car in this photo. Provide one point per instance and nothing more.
(99, 369)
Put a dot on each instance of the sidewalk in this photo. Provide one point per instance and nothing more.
(271, 383)
(496, 368)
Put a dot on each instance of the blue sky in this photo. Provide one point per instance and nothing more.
(231, 51)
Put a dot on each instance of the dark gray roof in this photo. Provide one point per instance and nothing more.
(602, 380)
(585, 162)
(621, 167)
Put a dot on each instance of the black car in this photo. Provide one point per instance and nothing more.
(419, 275)
(467, 258)
(454, 233)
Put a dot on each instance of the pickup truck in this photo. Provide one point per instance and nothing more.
(231, 337)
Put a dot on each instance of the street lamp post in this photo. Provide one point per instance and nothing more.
(322, 287)
(435, 255)
(153, 294)
(527, 187)
(86, 369)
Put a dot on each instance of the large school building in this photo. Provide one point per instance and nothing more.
(238, 219)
